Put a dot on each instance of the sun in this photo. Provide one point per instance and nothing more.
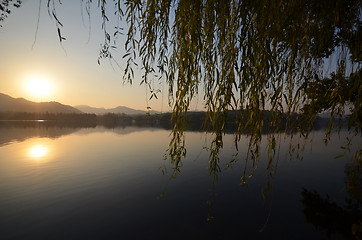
(39, 87)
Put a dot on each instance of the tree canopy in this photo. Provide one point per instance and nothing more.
(246, 56)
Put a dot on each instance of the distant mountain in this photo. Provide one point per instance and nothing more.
(118, 110)
(10, 104)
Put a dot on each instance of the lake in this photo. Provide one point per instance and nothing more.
(97, 183)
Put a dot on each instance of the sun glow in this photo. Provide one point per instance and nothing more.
(39, 87)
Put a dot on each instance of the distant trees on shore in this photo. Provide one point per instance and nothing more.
(197, 121)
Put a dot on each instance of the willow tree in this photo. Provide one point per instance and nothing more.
(248, 56)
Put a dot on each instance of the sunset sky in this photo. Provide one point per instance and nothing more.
(69, 74)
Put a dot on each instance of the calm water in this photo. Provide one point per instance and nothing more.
(103, 184)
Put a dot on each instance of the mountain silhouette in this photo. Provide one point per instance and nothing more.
(117, 110)
(10, 104)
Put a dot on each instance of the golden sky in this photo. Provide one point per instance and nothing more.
(70, 70)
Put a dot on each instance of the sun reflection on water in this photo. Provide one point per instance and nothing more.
(38, 151)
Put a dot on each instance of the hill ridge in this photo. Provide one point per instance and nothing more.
(11, 104)
(117, 110)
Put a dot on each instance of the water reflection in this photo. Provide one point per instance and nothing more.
(353, 180)
(38, 151)
(331, 217)
(20, 131)
(103, 184)
(334, 218)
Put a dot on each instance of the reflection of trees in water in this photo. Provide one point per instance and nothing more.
(29, 130)
(60, 125)
(353, 180)
(12, 131)
(325, 214)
